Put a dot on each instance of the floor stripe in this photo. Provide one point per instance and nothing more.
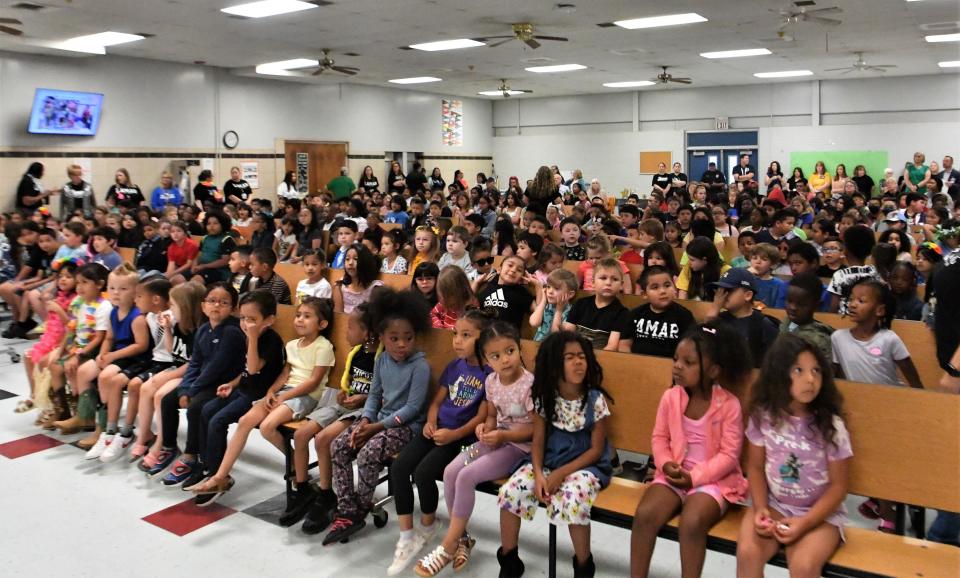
(28, 445)
(185, 517)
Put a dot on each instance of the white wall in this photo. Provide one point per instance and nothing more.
(153, 104)
(595, 132)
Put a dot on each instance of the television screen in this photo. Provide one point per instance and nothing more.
(65, 112)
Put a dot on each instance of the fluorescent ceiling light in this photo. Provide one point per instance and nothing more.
(415, 80)
(784, 74)
(955, 37)
(629, 83)
(267, 8)
(283, 67)
(96, 43)
(736, 53)
(500, 92)
(447, 45)
(949, 64)
(658, 21)
(556, 68)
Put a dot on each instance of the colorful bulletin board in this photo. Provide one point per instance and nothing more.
(451, 123)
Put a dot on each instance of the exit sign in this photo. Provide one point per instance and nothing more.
(722, 122)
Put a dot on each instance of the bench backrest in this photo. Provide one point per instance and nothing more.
(906, 442)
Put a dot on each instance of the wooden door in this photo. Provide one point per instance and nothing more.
(319, 161)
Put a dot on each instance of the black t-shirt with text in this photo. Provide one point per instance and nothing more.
(272, 354)
(361, 372)
(240, 189)
(658, 333)
(125, 196)
(511, 301)
(597, 324)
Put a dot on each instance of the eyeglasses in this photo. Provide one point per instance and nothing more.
(218, 302)
(483, 262)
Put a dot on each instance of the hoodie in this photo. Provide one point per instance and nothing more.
(398, 394)
(218, 357)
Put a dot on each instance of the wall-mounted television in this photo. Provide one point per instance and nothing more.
(65, 112)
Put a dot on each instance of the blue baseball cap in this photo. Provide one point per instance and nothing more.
(737, 278)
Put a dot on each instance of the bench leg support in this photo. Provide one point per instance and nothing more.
(288, 463)
(552, 572)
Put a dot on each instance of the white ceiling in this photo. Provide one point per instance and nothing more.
(889, 31)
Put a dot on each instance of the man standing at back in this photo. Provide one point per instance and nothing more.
(343, 186)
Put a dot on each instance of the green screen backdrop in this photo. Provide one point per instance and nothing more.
(874, 161)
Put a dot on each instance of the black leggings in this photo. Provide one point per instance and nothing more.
(170, 416)
(425, 461)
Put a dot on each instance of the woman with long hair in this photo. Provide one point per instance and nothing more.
(287, 189)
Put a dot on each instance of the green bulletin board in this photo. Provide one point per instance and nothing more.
(874, 161)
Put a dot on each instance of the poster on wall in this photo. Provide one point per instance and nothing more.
(452, 123)
(303, 172)
(250, 172)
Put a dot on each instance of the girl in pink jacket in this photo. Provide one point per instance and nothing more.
(696, 447)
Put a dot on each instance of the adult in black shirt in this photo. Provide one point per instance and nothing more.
(678, 179)
(714, 180)
(797, 179)
(416, 180)
(206, 192)
(774, 176)
(864, 181)
(657, 333)
(744, 172)
(436, 180)
(236, 190)
(30, 193)
(367, 181)
(396, 181)
(661, 181)
(124, 194)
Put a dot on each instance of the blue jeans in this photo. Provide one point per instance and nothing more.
(217, 415)
(945, 528)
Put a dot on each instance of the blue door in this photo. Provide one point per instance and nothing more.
(698, 160)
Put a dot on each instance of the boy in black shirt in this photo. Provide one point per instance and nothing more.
(265, 360)
(570, 235)
(735, 291)
(262, 276)
(602, 318)
(151, 254)
(659, 323)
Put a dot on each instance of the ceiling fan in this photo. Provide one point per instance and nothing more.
(861, 65)
(798, 14)
(505, 91)
(522, 31)
(665, 78)
(327, 63)
(8, 29)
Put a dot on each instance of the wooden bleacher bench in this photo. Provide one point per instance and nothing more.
(127, 254)
(893, 456)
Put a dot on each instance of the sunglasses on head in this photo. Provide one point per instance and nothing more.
(484, 262)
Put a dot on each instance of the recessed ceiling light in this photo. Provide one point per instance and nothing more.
(500, 92)
(447, 45)
(556, 68)
(736, 53)
(629, 83)
(949, 64)
(415, 80)
(265, 8)
(282, 67)
(96, 43)
(658, 21)
(955, 37)
(784, 74)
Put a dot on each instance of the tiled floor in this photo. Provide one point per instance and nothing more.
(62, 514)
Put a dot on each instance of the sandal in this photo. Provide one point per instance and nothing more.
(211, 486)
(43, 417)
(24, 406)
(870, 509)
(433, 563)
(460, 558)
(887, 527)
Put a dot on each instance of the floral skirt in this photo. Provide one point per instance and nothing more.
(570, 504)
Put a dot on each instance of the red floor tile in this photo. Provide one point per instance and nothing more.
(185, 517)
(29, 445)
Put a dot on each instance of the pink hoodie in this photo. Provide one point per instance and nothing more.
(724, 440)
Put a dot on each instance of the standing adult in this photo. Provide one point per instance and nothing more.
(916, 175)
(417, 180)
(714, 180)
(744, 174)
(206, 192)
(396, 180)
(287, 189)
(796, 180)
(167, 194)
(840, 179)
(661, 181)
(236, 190)
(820, 181)
(341, 186)
(774, 177)
(678, 179)
(436, 180)
(368, 181)
(864, 181)
(949, 176)
(77, 194)
(542, 191)
(123, 193)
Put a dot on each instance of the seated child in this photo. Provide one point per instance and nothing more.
(345, 231)
(858, 242)
(657, 325)
(458, 241)
(315, 284)
(601, 318)
(832, 252)
(553, 303)
(803, 258)
(360, 272)
(454, 297)
(549, 260)
(181, 252)
(598, 248)
(263, 277)
(152, 253)
(745, 243)
(734, 293)
(570, 234)
(103, 242)
(771, 291)
(210, 265)
(508, 295)
(529, 246)
(803, 298)
(239, 265)
(903, 285)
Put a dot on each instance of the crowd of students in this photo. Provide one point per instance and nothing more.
(188, 325)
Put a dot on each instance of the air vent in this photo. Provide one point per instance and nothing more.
(627, 51)
(29, 6)
(350, 54)
(537, 60)
(804, 3)
(320, 2)
(145, 34)
(404, 48)
(606, 25)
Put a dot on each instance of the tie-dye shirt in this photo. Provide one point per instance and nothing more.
(88, 317)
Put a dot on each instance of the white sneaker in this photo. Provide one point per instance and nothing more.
(98, 448)
(117, 448)
(405, 552)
